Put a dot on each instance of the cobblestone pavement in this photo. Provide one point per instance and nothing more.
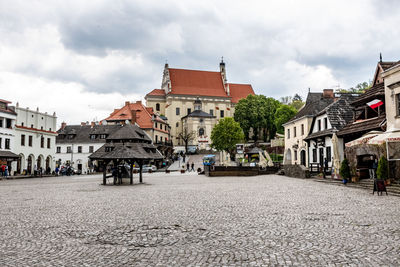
(176, 220)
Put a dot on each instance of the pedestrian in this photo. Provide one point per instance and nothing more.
(192, 166)
(6, 171)
(374, 167)
(57, 170)
(187, 166)
(371, 168)
(325, 166)
(3, 167)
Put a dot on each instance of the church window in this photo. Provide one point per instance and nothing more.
(201, 131)
(222, 114)
(189, 110)
(158, 107)
(178, 111)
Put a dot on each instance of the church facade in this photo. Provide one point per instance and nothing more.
(206, 94)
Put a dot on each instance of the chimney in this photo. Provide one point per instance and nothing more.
(126, 103)
(63, 124)
(83, 123)
(133, 113)
(139, 102)
(328, 93)
(92, 124)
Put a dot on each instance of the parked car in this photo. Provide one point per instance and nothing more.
(147, 168)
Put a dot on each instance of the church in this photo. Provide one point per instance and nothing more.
(194, 101)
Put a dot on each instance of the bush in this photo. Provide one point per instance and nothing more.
(345, 169)
(382, 171)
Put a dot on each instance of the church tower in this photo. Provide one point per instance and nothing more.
(223, 75)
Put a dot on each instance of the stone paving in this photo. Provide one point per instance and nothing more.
(189, 220)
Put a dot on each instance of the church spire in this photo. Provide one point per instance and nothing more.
(380, 57)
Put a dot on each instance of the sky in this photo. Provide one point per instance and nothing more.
(83, 59)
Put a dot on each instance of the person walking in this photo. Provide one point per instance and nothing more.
(6, 171)
(192, 169)
(325, 166)
(371, 168)
(374, 168)
(187, 166)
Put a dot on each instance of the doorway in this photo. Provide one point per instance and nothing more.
(303, 157)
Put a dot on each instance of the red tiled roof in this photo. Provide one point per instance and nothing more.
(195, 82)
(157, 92)
(239, 91)
(143, 115)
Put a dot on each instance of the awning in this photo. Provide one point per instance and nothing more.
(364, 139)
(8, 155)
(385, 137)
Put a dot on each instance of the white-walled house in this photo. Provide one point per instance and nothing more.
(35, 139)
(7, 134)
(75, 143)
(327, 122)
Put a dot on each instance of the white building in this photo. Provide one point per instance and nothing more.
(7, 134)
(35, 139)
(75, 143)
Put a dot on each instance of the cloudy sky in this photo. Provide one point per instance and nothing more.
(82, 59)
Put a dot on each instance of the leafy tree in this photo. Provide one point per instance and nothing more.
(187, 136)
(297, 104)
(286, 100)
(282, 115)
(344, 170)
(382, 172)
(297, 97)
(358, 89)
(226, 134)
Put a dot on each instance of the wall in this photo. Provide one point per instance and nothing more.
(393, 120)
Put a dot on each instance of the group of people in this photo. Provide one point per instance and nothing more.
(188, 167)
(4, 171)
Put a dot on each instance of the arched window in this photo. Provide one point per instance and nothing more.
(158, 107)
(201, 132)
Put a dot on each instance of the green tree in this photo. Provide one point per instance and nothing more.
(358, 89)
(344, 170)
(382, 172)
(226, 134)
(282, 115)
(297, 104)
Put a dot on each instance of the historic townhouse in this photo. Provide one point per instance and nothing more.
(181, 88)
(297, 128)
(75, 143)
(7, 134)
(35, 139)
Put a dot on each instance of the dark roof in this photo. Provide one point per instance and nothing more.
(339, 114)
(388, 64)
(363, 126)
(376, 91)
(199, 114)
(129, 132)
(5, 154)
(127, 151)
(81, 134)
(315, 103)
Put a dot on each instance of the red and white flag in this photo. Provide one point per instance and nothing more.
(375, 103)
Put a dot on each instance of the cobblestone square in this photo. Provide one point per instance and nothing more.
(191, 220)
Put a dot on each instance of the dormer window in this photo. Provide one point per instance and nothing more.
(92, 136)
(103, 136)
(70, 136)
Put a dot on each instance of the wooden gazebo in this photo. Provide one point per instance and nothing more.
(129, 144)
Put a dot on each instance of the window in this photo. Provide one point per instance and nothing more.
(294, 133)
(41, 127)
(156, 125)
(178, 111)
(319, 125)
(158, 107)
(314, 155)
(189, 110)
(160, 138)
(42, 142)
(211, 112)
(7, 144)
(288, 134)
(0, 142)
(48, 142)
(8, 123)
(398, 104)
(302, 129)
(22, 140)
(22, 124)
(92, 136)
(91, 149)
(79, 149)
(30, 139)
(201, 131)
(222, 114)
(325, 123)
(177, 124)
(1, 123)
(103, 136)
(31, 125)
(328, 153)
(295, 154)
(69, 149)
(165, 127)
(156, 138)
(58, 149)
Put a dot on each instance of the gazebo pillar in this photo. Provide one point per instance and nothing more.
(104, 173)
(131, 172)
(140, 171)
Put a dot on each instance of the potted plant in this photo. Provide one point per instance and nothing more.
(382, 172)
(345, 171)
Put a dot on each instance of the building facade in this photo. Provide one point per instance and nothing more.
(75, 143)
(180, 89)
(298, 128)
(7, 134)
(35, 140)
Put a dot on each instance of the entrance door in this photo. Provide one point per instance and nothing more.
(321, 156)
(303, 157)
